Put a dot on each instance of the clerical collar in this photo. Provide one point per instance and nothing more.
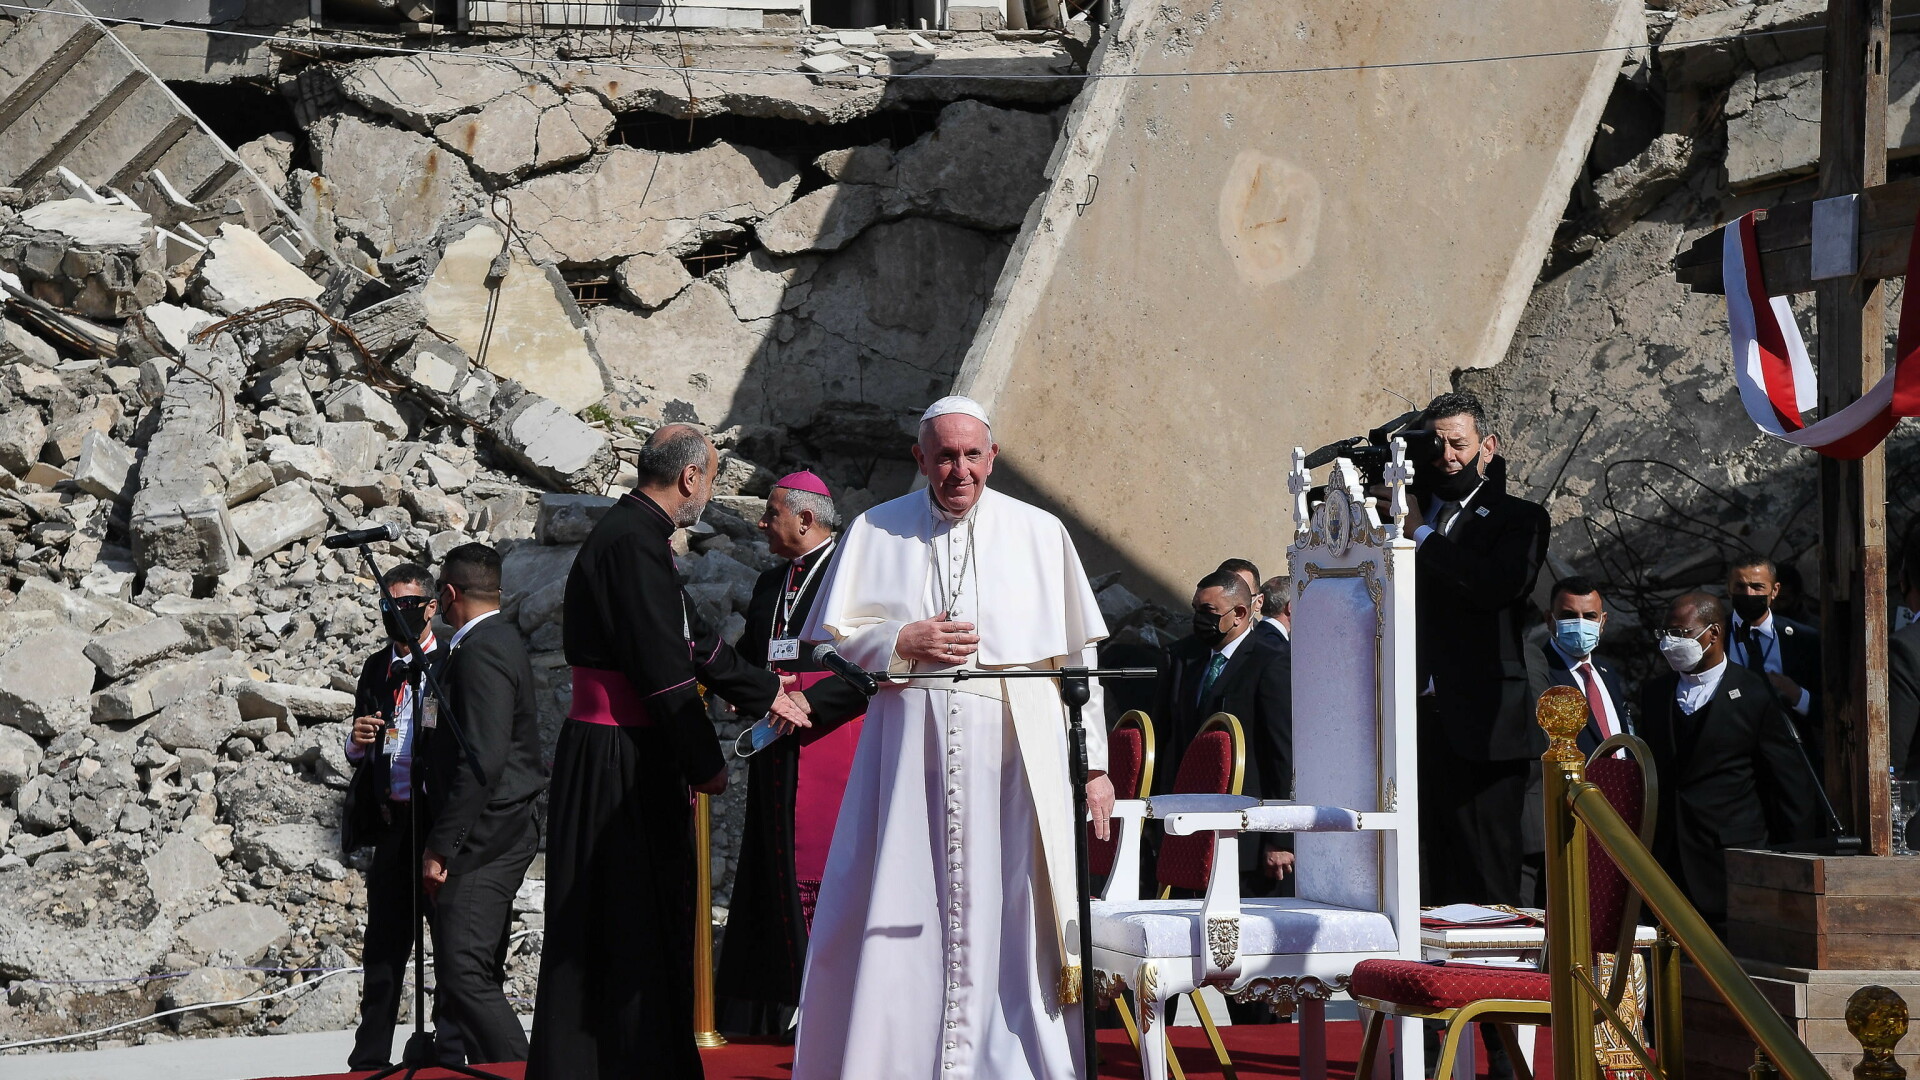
(646, 502)
(1702, 678)
(807, 559)
(947, 515)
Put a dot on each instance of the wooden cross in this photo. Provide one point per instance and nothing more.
(1853, 510)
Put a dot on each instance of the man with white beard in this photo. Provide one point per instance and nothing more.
(946, 941)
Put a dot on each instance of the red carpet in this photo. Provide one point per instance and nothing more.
(1259, 1052)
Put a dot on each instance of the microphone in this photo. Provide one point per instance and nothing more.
(849, 672)
(355, 537)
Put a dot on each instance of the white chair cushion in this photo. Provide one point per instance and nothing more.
(1268, 927)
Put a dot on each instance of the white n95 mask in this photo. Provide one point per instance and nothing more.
(1682, 653)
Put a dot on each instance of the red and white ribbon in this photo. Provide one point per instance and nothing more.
(1776, 378)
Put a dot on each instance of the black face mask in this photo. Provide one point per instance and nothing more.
(1206, 628)
(1750, 608)
(406, 621)
(1459, 485)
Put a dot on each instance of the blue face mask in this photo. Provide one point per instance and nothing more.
(1577, 636)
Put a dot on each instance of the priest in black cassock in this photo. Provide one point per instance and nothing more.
(794, 785)
(616, 970)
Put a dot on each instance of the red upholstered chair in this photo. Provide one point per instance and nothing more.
(1130, 766)
(1459, 993)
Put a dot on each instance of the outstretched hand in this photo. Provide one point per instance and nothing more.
(938, 640)
(1100, 806)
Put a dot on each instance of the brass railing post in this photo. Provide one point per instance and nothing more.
(1563, 713)
(704, 1030)
(1667, 1028)
(1877, 1017)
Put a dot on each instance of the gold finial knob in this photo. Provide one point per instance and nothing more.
(1878, 1018)
(1562, 714)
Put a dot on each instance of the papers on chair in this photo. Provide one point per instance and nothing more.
(1495, 962)
(1472, 915)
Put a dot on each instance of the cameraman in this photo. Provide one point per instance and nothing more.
(1480, 550)
(379, 812)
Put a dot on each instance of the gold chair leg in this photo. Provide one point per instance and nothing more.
(1213, 1036)
(1370, 1045)
(1451, 1047)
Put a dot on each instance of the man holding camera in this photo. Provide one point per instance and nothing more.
(1480, 550)
(379, 812)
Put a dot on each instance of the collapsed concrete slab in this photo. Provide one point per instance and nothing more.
(99, 259)
(240, 272)
(393, 187)
(179, 517)
(1314, 253)
(525, 326)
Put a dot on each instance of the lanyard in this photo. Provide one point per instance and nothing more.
(791, 599)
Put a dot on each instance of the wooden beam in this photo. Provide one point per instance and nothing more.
(1853, 511)
(1785, 239)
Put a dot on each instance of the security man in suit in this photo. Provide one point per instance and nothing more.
(1785, 651)
(1276, 609)
(1729, 774)
(378, 813)
(1577, 616)
(1479, 551)
(1903, 673)
(481, 787)
(1225, 667)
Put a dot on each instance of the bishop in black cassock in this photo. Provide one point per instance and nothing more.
(616, 971)
(794, 786)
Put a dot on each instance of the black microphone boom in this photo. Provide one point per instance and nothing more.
(825, 655)
(373, 534)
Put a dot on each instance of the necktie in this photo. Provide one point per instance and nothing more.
(1594, 700)
(1214, 666)
(1443, 520)
(1756, 656)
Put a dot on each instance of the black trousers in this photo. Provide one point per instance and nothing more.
(1470, 823)
(393, 886)
(471, 919)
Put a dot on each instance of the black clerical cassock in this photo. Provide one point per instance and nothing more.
(793, 795)
(616, 970)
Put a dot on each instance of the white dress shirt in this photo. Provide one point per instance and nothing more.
(400, 768)
(1695, 689)
(1604, 708)
(460, 634)
(1770, 658)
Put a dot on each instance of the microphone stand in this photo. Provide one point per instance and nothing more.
(418, 1054)
(1075, 690)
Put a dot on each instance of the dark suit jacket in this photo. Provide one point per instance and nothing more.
(361, 822)
(1800, 661)
(1271, 634)
(1256, 687)
(1903, 712)
(480, 795)
(1474, 600)
(1729, 777)
(832, 700)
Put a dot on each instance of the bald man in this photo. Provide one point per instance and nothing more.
(616, 970)
(1729, 774)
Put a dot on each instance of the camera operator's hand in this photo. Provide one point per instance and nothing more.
(1383, 504)
(366, 729)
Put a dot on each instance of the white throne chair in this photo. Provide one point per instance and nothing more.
(1354, 813)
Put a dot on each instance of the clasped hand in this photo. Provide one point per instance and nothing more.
(939, 640)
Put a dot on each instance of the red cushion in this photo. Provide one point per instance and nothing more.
(1206, 768)
(1618, 778)
(1125, 762)
(1444, 986)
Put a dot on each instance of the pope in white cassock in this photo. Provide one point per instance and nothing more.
(946, 940)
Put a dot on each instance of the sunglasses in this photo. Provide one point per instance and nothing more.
(411, 603)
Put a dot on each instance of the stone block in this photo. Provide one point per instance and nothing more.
(119, 654)
(148, 693)
(18, 345)
(373, 489)
(291, 461)
(181, 872)
(20, 757)
(88, 614)
(251, 482)
(445, 474)
(568, 519)
(649, 281)
(434, 509)
(292, 848)
(99, 259)
(354, 445)
(391, 324)
(22, 434)
(191, 536)
(287, 514)
(204, 721)
(240, 272)
(824, 220)
(64, 436)
(44, 683)
(354, 400)
(209, 623)
(105, 468)
(554, 445)
(32, 383)
(527, 328)
(313, 704)
(391, 187)
(242, 931)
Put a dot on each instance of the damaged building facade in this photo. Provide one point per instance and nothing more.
(273, 269)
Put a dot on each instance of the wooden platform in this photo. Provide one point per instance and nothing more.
(1810, 930)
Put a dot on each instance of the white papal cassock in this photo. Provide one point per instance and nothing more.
(947, 922)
